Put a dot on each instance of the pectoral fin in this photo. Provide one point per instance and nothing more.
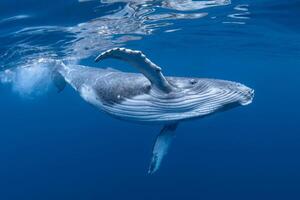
(136, 58)
(161, 146)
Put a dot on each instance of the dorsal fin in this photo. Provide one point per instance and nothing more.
(143, 64)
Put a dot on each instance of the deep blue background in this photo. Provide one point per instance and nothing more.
(56, 146)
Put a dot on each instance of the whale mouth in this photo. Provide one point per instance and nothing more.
(248, 95)
(248, 99)
(206, 98)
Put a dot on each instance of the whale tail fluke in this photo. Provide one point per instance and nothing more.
(161, 146)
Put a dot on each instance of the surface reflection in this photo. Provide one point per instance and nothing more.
(125, 21)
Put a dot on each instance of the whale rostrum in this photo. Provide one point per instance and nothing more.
(149, 96)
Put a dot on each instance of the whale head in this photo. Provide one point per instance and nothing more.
(214, 89)
(192, 98)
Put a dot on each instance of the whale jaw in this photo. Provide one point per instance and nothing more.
(248, 96)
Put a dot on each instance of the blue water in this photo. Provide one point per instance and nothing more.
(56, 146)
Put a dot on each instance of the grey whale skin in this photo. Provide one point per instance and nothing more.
(149, 96)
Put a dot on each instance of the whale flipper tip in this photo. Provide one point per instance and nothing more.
(161, 146)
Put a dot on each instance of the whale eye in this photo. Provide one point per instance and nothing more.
(193, 81)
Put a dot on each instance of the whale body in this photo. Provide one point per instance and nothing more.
(150, 97)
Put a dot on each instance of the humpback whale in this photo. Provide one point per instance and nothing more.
(149, 96)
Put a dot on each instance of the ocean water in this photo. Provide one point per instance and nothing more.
(56, 146)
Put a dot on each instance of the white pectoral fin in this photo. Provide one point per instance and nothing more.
(136, 58)
(161, 146)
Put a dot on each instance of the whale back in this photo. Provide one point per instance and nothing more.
(117, 87)
(110, 85)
